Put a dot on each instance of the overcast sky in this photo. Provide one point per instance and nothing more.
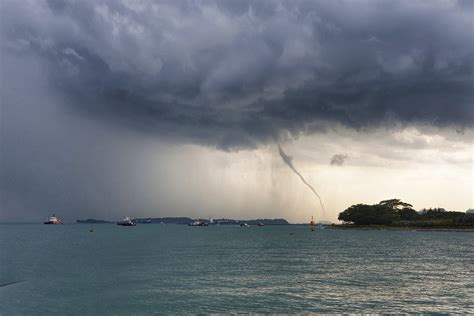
(175, 108)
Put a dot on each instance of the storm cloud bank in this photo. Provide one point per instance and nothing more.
(235, 74)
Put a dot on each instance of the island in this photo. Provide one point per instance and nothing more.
(264, 221)
(220, 221)
(396, 214)
(187, 220)
(92, 221)
(163, 220)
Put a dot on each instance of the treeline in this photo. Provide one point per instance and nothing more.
(394, 212)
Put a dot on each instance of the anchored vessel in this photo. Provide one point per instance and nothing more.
(127, 221)
(198, 223)
(53, 220)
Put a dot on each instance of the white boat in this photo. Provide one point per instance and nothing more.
(127, 221)
(53, 220)
(198, 223)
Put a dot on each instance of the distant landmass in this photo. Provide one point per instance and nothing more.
(92, 221)
(164, 220)
(265, 221)
(187, 220)
(219, 221)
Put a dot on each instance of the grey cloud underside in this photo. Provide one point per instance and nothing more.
(235, 74)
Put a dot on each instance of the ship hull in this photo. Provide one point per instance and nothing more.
(126, 224)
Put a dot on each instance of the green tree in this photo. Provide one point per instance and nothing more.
(407, 214)
(354, 214)
(363, 214)
(395, 204)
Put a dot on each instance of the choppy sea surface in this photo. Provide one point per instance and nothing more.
(168, 269)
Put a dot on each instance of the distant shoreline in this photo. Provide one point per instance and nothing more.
(404, 228)
(333, 226)
(188, 220)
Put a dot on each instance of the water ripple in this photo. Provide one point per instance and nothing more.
(179, 269)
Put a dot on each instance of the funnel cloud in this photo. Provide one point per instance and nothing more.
(288, 160)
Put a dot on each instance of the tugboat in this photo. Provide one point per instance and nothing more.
(127, 221)
(53, 220)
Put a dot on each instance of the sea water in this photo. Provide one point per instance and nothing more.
(168, 269)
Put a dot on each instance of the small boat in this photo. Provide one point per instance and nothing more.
(198, 223)
(244, 225)
(127, 221)
(53, 220)
(261, 224)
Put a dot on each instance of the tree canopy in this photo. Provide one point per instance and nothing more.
(363, 214)
(396, 212)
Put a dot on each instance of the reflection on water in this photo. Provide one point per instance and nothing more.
(181, 269)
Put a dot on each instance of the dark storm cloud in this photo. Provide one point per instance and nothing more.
(236, 73)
